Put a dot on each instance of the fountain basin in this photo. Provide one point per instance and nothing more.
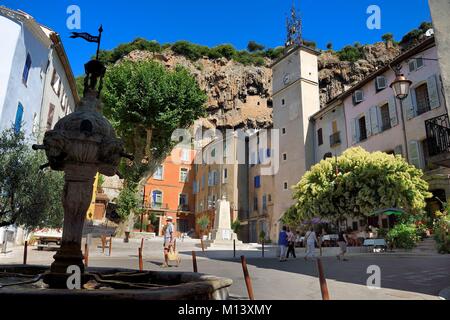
(168, 285)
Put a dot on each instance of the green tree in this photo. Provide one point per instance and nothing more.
(127, 202)
(364, 183)
(146, 102)
(236, 226)
(203, 223)
(253, 46)
(329, 46)
(29, 197)
(350, 53)
(387, 37)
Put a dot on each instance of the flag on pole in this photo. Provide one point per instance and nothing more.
(86, 36)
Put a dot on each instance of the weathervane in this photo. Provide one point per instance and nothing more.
(94, 69)
(294, 28)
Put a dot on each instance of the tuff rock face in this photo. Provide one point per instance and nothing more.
(240, 96)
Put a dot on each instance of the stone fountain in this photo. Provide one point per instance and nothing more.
(82, 144)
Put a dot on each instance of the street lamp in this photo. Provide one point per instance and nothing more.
(401, 86)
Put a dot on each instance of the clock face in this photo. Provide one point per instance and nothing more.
(286, 78)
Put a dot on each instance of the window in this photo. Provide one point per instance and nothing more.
(213, 153)
(264, 202)
(225, 175)
(284, 156)
(268, 153)
(283, 131)
(183, 200)
(51, 112)
(380, 83)
(184, 175)
(285, 186)
(334, 126)
(385, 117)
(212, 178)
(195, 187)
(422, 99)
(355, 225)
(269, 197)
(26, 69)
(258, 182)
(215, 178)
(157, 199)
(358, 96)
(19, 117)
(255, 204)
(158, 175)
(283, 102)
(56, 82)
(362, 128)
(320, 136)
(415, 64)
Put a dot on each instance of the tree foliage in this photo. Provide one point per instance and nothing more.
(366, 182)
(29, 196)
(127, 201)
(387, 37)
(253, 46)
(351, 53)
(146, 102)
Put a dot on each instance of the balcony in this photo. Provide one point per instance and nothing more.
(183, 208)
(335, 139)
(438, 140)
(157, 206)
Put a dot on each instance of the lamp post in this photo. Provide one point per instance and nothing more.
(401, 86)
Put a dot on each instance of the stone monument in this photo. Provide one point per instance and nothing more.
(222, 235)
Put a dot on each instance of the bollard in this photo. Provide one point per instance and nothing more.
(25, 252)
(263, 248)
(103, 243)
(248, 281)
(141, 263)
(203, 246)
(142, 244)
(234, 248)
(194, 261)
(110, 245)
(86, 254)
(323, 281)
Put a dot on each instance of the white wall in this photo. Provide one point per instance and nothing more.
(29, 95)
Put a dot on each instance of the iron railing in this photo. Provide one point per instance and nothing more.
(335, 139)
(438, 135)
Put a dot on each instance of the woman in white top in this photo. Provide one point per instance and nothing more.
(311, 240)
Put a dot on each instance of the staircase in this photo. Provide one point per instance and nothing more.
(427, 246)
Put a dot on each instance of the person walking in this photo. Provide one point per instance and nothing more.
(291, 244)
(168, 240)
(283, 243)
(310, 240)
(342, 242)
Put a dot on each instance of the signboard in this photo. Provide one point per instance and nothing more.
(226, 234)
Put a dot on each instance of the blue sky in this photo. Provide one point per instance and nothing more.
(211, 22)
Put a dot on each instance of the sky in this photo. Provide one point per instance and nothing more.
(210, 23)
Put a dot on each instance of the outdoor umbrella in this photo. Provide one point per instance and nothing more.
(389, 212)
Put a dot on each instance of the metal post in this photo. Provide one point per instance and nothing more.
(103, 243)
(323, 281)
(194, 262)
(86, 254)
(110, 245)
(234, 248)
(203, 246)
(263, 248)
(142, 244)
(141, 263)
(25, 252)
(5, 241)
(248, 281)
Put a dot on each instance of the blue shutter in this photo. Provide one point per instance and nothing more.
(26, 69)
(268, 153)
(257, 182)
(19, 117)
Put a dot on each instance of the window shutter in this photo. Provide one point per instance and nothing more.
(393, 111)
(399, 150)
(412, 65)
(354, 134)
(374, 120)
(415, 154)
(19, 117)
(419, 62)
(433, 92)
(381, 83)
(368, 126)
(408, 106)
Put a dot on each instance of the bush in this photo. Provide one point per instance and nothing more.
(387, 37)
(236, 225)
(441, 233)
(350, 53)
(403, 236)
(274, 53)
(254, 46)
(190, 50)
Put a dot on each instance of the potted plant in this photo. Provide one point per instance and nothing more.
(203, 223)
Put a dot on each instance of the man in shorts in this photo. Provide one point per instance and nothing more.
(342, 242)
(168, 240)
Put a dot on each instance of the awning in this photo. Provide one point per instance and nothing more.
(389, 212)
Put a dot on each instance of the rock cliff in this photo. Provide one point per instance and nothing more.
(239, 95)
